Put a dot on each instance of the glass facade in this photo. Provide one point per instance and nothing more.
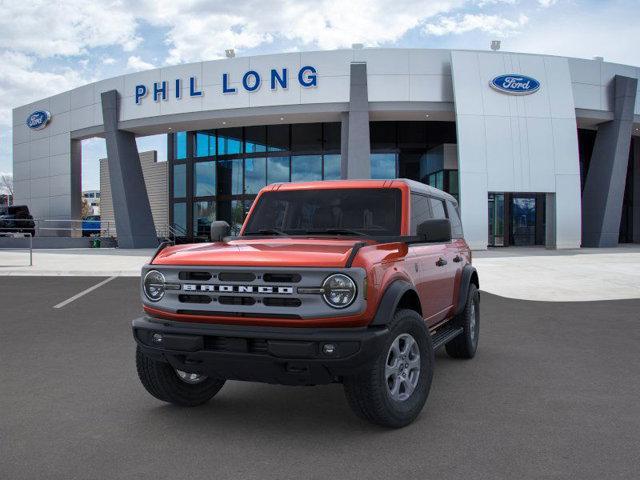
(216, 174)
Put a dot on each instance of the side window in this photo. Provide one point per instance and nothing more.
(454, 217)
(420, 211)
(437, 206)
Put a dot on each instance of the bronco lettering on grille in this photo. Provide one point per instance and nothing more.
(259, 289)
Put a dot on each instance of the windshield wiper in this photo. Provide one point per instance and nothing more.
(338, 231)
(267, 231)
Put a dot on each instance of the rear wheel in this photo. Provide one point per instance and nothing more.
(175, 386)
(392, 390)
(466, 344)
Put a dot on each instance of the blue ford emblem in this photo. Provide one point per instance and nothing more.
(38, 119)
(515, 84)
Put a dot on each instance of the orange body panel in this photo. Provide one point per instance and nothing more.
(438, 288)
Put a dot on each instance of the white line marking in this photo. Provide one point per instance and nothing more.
(83, 293)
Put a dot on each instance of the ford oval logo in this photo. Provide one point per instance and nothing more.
(38, 119)
(515, 84)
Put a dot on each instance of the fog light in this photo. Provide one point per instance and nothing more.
(156, 338)
(328, 348)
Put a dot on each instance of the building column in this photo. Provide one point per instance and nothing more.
(355, 143)
(131, 208)
(604, 187)
(636, 190)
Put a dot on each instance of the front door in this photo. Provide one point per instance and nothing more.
(523, 220)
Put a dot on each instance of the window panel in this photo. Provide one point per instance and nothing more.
(229, 175)
(332, 135)
(180, 180)
(180, 216)
(180, 146)
(437, 208)
(420, 211)
(205, 144)
(278, 138)
(277, 169)
(204, 213)
(454, 217)
(332, 167)
(383, 135)
(204, 179)
(255, 139)
(255, 174)
(306, 137)
(229, 141)
(383, 165)
(306, 168)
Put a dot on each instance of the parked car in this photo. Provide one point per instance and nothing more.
(91, 225)
(355, 281)
(17, 219)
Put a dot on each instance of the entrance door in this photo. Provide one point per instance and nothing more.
(496, 220)
(523, 220)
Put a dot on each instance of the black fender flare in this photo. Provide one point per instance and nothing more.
(389, 302)
(467, 273)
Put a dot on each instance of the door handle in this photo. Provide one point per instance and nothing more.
(441, 262)
(457, 258)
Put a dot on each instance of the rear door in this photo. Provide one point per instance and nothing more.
(448, 260)
(431, 281)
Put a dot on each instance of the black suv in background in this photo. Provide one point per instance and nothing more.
(17, 219)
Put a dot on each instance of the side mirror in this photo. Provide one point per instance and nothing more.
(219, 230)
(435, 230)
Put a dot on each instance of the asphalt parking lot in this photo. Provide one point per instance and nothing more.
(553, 393)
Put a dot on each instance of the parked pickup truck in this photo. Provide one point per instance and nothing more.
(352, 281)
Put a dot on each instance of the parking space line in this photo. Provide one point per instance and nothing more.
(82, 293)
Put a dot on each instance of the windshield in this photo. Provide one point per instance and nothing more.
(354, 211)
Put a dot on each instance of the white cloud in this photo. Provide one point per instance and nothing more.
(71, 27)
(491, 24)
(547, 3)
(108, 61)
(135, 63)
(326, 24)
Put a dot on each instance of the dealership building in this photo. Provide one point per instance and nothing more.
(539, 150)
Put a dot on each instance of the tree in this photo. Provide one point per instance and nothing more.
(6, 183)
(86, 208)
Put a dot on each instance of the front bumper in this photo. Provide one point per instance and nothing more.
(288, 356)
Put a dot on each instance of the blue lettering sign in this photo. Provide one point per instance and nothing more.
(310, 80)
(253, 85)
(157, 90)
(141, 92)
(275, 77)
(225, 84)
(192, 88)
(515, 84)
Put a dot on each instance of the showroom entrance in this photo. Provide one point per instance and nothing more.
(516, 219)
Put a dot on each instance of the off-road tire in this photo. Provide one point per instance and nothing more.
(161, 381)
(368, 393)
(466, 344)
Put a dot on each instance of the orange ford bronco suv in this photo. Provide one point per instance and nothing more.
(353, 281)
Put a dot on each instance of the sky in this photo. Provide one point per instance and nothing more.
(48, 47)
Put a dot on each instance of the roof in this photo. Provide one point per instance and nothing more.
(413, 185)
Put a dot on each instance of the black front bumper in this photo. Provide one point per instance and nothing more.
(288, 356)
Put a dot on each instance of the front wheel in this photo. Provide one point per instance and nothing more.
(392, 390)
(175, 386)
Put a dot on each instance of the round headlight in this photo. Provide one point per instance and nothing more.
(153, 285)
(339, 291)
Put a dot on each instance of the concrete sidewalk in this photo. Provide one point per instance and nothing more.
(85, 262)
(522, 273)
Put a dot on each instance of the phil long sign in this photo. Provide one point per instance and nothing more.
(250, 81)
(515, 84)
